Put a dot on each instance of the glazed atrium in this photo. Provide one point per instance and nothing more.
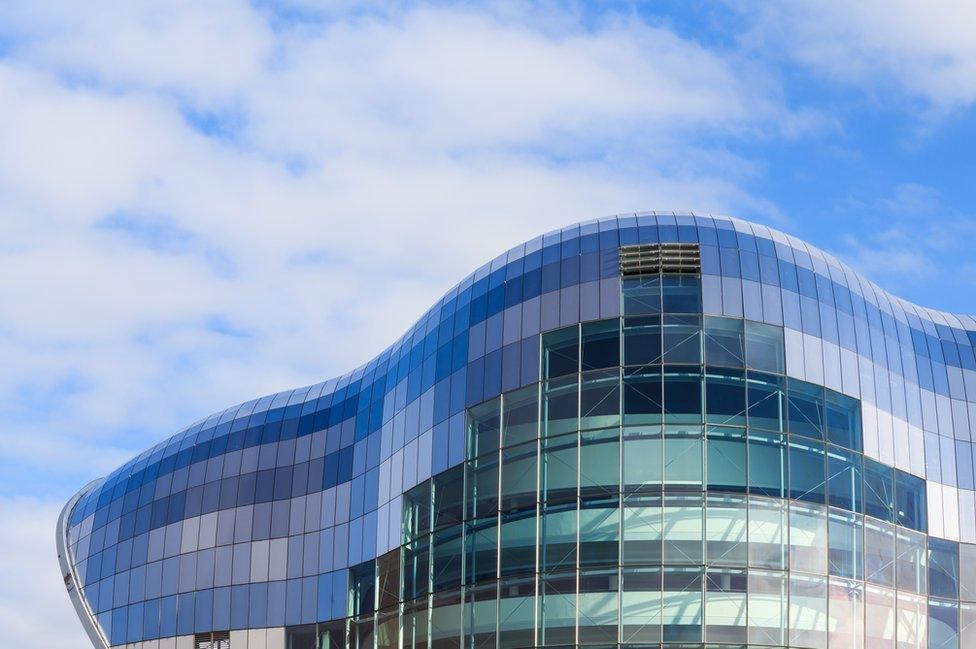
(655, 430)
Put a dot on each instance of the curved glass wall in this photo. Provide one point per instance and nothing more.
(663, 484)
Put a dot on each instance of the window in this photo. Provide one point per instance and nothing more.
(764, 347)
(724, 342)
(726, 457)
(484, 428)
(560, 352)
(943, 568)
(843, 420)
(641, 295)
(910, 496)
(768, 464)
(725, 396)
(879, 491)
(844, 479)
(805, 409)
(560, 406)
(601, 344)
(642, 340)
(520, 415)
(807, 471)
(681, 293)
(766, 401)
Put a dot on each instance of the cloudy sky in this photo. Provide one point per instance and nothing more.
(202, 202)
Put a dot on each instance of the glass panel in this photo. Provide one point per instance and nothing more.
(967, 625)
(481, 499)
(642, 341)
(943, 568)
(766, 401)
(560, 352)
(808, 611)
(682, 339)
(601, 344)
(808, 538)
(683, 460)
(764, 347)
(557, 537)
(767, 464)
(879, 617)
(387, 629)
(599, 463)
(725, 605)
(846, 606)
(967, 572)
(516, 612)
(599, 532)
(911, 562)
(726, 524)
(943, 625)
(681, 293)
(643, 397)
(559, 469)
(879, 552)
(805, 409)
(725, 396)
(641, 295)
(682, 395)
(446, 559)
(388, 579)
(643, 463)
(362, 588)
(448, 497)
(518, 481)
(641, 606)
(724, 342)
(767, 607)
(681, 610)
(297, 637)
(768, 525)
(332, 635)
(416, 568)
(600, 399)
(912, 621)
(484, 428)
(480, 615)
(683, 529)
(643, 530)
(416, 511)
(445, 620)
(480, 551)
(598, 604)
(726, 455)
(879, 490)
(843, 419)
(807, 471)
(911, 501)
(517, 543)
(846, 544)
(520, 415)
(560, 406)
(557, 609)
(844, 479)
(415, 624)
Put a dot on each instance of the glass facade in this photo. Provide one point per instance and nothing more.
(769, 453)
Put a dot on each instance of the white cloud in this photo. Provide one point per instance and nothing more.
(926, 49)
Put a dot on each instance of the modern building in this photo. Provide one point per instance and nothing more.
(650, 430)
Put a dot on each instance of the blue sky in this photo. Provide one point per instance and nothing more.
(201, 202)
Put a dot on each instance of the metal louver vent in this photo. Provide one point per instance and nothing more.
(660, 258)
(215, 640)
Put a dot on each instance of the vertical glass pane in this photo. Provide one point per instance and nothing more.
(416, 511)
(683, 460)
(480, 551)
(681, 293)
(682, 394)
(768, 464)
(768, 527)
(600, 399)
(601, 344)
(967, 625)
(843, 419)
(726, 456)
(766, 401)
(484, 428)
(879, 490)
(557, 609)
(683, 529)
(912, 621)
(642, 340)
(879, 617)
(416, 624)
(445, 620)
(943, 568)
(560, 406)
(516, 612)
(481, 485)
(765, 350)
(725, 396)
(560, 352)
(643, 463)
(388, 579)
(518, 477)
(943, 625)
(846, 544)
(844, 479)
(808, 611)
(517, 543)
(724, 342)
(682, 339)
(416, 568)
(808, 471)
(643, 530)
(641, 295)
(808, 538)
(520, 415)
(641, 606)
(598, 606)
(599, 533)
(725, 605)
(557, 537)
(805, 409)
(911, 562)
(967, 572)
(846, 607)
(879, 552)
(643, 398)
(767, 607)
(600, 463)
(448, 495)
(911, 511)
(559, 469)
(480, 616)
(681, 610)
(726, 524)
